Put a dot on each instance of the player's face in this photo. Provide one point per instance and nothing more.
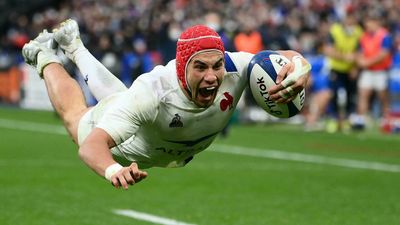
(205, 72)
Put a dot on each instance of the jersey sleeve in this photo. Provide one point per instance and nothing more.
(241, 61)
(132, 109)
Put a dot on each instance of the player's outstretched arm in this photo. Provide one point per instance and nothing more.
(95, 152)
(292, 78)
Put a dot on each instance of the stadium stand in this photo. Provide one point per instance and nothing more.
(130, 37)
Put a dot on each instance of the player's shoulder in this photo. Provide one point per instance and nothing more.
(237, 57)
(156, 83)
(159, 78)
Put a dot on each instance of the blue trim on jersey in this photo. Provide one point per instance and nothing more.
(229, 65)
(267, 66)
(263, 60)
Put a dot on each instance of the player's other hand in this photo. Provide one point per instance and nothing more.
(291, 80)
(128, 176)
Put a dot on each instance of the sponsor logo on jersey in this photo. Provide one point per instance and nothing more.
(227, 102)
(176, 121)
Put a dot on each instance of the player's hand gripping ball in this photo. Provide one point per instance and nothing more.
(262, 72)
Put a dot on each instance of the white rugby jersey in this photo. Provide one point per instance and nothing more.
(155, 124)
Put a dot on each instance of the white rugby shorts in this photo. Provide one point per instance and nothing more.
(92, 117)
(85, 126)
(375, 80)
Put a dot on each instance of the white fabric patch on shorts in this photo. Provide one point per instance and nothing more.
(86, 125)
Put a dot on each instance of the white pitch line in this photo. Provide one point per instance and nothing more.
(300, 157)
(32, 126)
(256, 152)
(148, 217)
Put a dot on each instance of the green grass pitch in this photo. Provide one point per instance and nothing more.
(43, 182)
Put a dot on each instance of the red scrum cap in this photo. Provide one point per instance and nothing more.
(193, 40)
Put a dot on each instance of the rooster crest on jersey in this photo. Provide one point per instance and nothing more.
(192, 41)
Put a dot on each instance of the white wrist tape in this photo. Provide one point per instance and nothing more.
(299, 70)
(111, 170)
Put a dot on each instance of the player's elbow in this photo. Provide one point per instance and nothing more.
(83, 153)
(85, 150)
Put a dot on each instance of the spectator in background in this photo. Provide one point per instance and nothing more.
(249, 38)
(375, 59)
(169, 37)
(275, 36)
(214, 21)
(341, 48)
(282, 25)
(136, 62)
(107, 55)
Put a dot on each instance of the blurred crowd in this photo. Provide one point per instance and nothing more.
(130, 37)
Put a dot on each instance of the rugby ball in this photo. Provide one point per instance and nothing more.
(262, 72)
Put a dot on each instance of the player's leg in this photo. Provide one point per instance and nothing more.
(64, 92)
(66, 97)
(364, 93)
(383, 96)
(321, 96)
(381, 87)
(365, 90)
(358, 121)
(320, 103)
(351, 90)
(100, 80)
(334, 86)
(364, 96)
